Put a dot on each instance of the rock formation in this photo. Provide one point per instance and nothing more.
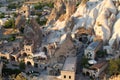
(33, 33)
(56, 12)
(92, 14)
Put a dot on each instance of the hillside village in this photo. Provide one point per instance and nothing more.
(59, 40)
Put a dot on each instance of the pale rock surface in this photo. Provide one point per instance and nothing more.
(56, 12)
(116, 32)
(105, 19)
(118, 15)
(99, 15)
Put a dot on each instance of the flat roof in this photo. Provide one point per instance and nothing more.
(99, 65)
(93, 45)
(70, 64)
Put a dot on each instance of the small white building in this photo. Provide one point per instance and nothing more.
(69, 69)
(90, 51)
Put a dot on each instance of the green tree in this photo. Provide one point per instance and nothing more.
(38, 6)
(51, 5)
(12, 6)
(84, 62)
(22, 65)
(114, 67)
(12, 38)
(14, 14)
(9, 24)
(41, 5)
(101, 53)
(2, 15)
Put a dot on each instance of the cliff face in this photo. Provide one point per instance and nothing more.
(98, 15)
(56, 12)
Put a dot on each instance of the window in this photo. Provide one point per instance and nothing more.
(36, 65)
(27, 49)
(64, 76)
(89, 54)
(69, 77)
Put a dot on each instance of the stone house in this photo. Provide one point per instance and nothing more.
(90, 51)
(69, 69)
(96, 70)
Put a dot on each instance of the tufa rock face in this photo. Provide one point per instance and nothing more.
(62, 11)
(20, 21)
(33, 33)
(70, 8)
(96, 16)
(56, 12)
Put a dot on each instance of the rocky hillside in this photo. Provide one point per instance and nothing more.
(100, 16)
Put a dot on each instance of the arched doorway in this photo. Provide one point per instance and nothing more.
(29, 64)
(12, 58)
(89, 55)
(87, 74)
(35, 65)
(24, 54)
(83, 38)
(3, 58)
(45, 50)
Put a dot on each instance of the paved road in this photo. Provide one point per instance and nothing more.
(79, 75)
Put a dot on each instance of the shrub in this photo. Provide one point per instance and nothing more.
(9, 24)
(2, 15)
(22, 66)
(113, 67)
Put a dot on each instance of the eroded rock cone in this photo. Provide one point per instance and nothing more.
(70, 8)
(56, 12)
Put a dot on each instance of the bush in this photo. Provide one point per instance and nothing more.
(84, 62)
(11, 71)
(41, 22)
(12, 38)
(13, 6)
(38, 14)
(22, 66)
(9, 24)
(51, 5)
(113, 67)
(41, 5)
(101, 53)
(2, 15)
(14, 14)
(38, 6)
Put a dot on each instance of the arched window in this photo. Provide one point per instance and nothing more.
(12, 58)
(25, 54)
(89, 54)
(29, 63)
